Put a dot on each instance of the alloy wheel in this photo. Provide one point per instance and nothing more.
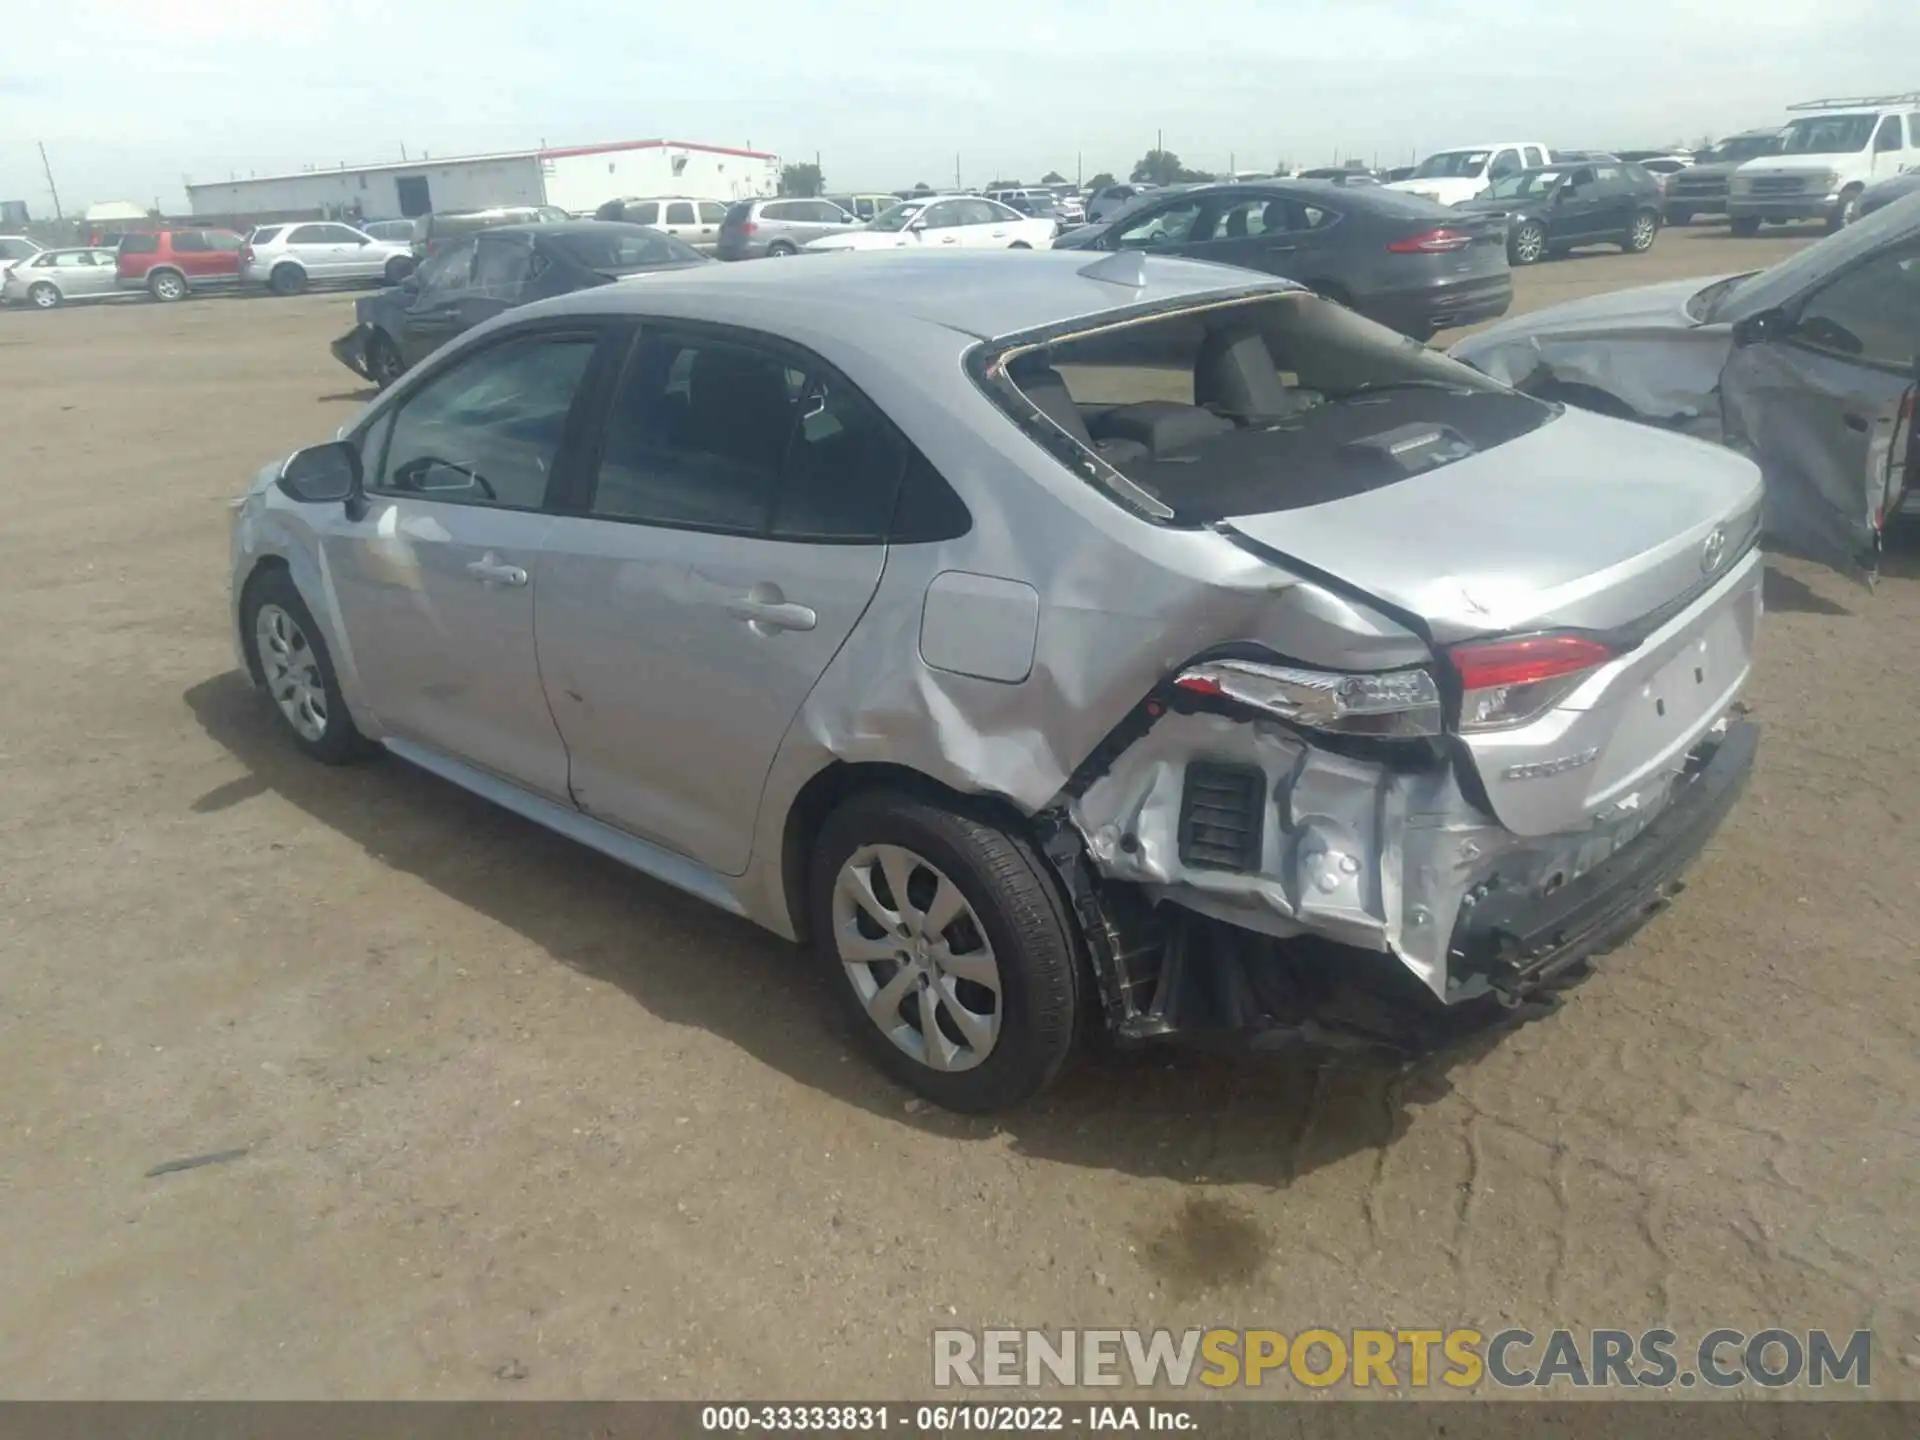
(44, 296)
(917, 957)
(169, 287)
(292, 671)
(1643, 232)
(1528, 244)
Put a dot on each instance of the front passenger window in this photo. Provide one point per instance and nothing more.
(1506, 163)
(488, 431)
(1170, 226)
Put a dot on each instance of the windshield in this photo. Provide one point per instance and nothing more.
(1275, 402)
(1527, 182)
(612, 250)
(1738, 151)
(1452, 165)
(897, 217)
(1801, 271)
(1827, 135)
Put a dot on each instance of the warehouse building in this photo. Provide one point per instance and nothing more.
(577, 179)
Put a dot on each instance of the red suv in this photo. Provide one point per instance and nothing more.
(173, 263)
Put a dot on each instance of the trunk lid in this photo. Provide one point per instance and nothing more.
(1585, 522)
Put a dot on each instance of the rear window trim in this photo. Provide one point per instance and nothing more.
(987, 362)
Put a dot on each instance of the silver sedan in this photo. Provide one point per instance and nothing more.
(58, 277)
(1053, 645)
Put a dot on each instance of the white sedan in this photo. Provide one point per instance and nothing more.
(960, 220)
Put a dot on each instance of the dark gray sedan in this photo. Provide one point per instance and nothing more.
(1398, 259)
(475, 278)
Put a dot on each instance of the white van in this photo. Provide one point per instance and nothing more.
(1829, 153)
(1450, 176)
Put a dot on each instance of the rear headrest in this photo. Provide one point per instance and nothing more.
(1235, 374)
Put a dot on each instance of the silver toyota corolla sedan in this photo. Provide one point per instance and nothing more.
(1053, 646)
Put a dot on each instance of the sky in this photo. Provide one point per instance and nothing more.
(888, 94)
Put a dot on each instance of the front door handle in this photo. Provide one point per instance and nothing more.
(490, 572)
(1280, 249)
(767, 616)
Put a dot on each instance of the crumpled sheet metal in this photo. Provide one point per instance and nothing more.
(1352, 850)
(1671, 377)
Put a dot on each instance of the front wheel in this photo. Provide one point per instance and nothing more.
(1640, 237)
(167, 285)
(1846, 212)
(1745, 227)
(44, 296)
(1527, 243)
(291, 663)
(385, 364)
(948, 948)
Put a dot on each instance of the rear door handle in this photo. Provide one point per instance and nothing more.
(1856, 422)
(1281, 249)
(767, 616)
(491, 571)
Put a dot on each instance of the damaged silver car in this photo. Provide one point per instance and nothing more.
(1805, 367)
(1139, 646)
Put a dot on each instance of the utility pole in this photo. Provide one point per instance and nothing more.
(956, 169)
(1160, 141)
(52, 189)
(403, 150)
(1079, 172)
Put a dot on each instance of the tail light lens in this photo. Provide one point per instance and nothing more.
(246, 254)
(1505, 683)
(1432, 242)
(1396, 704)
(751, 227)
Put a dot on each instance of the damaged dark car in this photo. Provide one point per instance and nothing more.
(1807, 367)
(1054, 644)
(479, 276)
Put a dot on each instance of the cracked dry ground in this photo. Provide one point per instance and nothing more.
(521, 1123)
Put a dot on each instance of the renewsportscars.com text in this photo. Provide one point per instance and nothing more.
(1415, 1359)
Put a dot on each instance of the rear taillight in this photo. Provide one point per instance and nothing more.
(1394, 703)
(246, 254)
(749, 227)
(1509, 682)
(1432, 242)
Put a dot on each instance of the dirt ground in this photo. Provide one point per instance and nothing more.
(518, 1122)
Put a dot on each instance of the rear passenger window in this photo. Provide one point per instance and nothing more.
(842, 474)
(680, 214)
(140, 245)
(646, 214)
(189, 242)
(696, 436)
(488, 431)
(712, 212)
(222, 240)
(308, 235)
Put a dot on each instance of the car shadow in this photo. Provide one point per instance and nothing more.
(351, 397)
(1783, 594)
(1176, 1115)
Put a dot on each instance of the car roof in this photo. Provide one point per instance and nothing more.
(567, 227)
(1351, 197)
(985, 294)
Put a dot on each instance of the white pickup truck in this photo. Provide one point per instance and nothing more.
(1830, 152)
(1450, 176)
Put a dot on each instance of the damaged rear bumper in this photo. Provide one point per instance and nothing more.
(351, 351)
(1516, 940)
(1346, 881)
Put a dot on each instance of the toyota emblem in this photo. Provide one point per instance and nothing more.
(1714, 547)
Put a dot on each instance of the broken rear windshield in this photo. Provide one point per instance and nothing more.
(1235, 407)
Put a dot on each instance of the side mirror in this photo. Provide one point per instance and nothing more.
(322, 474)
(1759, 329)
(916, 224)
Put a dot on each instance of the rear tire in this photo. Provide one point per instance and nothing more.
(287, 280)
(398, 268)
(288, 657)
(1007, 924)
(1527, 245)
(1639, 239)
(780, 250)
(1745, 227)
(167, 286)
(44, 296)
